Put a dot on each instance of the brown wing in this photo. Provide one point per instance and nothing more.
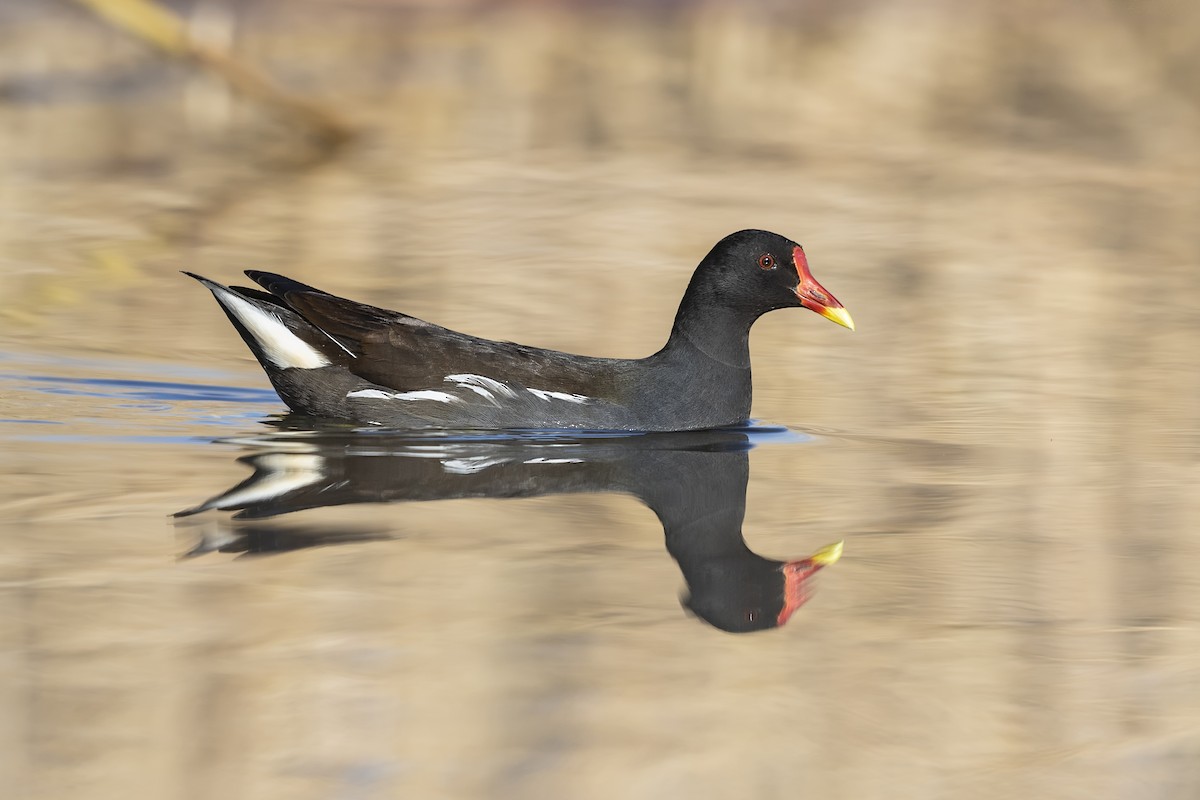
(402, 352)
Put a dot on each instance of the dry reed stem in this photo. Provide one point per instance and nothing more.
(162, 28)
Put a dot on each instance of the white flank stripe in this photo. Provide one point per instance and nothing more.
(541, 460)
(479, 390)
(420, 394)
(282, 348)
(339, 344)
(469, 381)
(548, 396)
(428, 394)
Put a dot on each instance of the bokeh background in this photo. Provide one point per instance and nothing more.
(1005, 195)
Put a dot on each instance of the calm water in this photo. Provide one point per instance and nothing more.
(1009, 445)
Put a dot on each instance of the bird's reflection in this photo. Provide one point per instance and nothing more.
(694, 482)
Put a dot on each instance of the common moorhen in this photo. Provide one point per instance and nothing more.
(335, 358)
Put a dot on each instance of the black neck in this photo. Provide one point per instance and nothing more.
(720, 333)
(701, 377)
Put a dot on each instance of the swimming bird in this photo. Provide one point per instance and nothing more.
(333, 358)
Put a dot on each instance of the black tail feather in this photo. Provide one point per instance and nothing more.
(280, 285)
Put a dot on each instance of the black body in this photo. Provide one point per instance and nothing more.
(367, 365)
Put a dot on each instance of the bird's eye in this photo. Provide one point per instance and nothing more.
(766, 261)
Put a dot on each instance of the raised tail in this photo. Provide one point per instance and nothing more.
(278, 336)
(280, 285)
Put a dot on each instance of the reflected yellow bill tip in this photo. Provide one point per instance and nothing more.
(829, 554)
(839, 315)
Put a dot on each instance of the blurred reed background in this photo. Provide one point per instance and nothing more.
(1005, 195)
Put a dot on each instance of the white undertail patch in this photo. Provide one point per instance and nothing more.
(281, 347)
(567, 396)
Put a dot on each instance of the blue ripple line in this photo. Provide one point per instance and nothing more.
(151, 390)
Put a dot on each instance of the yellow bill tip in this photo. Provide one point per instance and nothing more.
(839, 315)
(829, 554)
